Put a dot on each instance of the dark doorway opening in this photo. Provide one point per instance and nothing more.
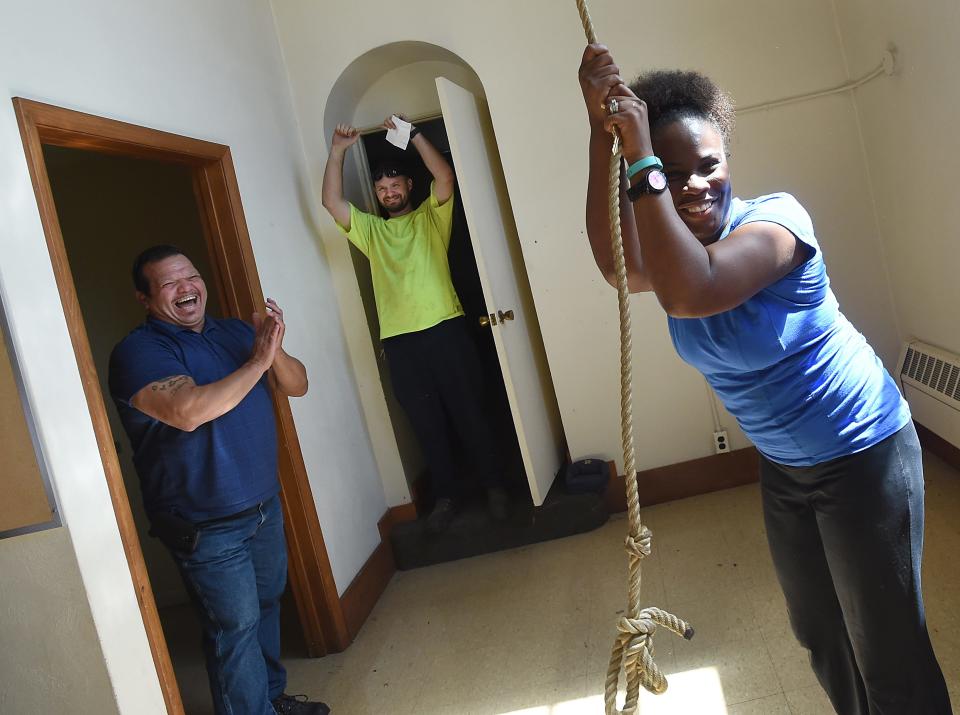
(216, 194)
(110, 208)
(472, 532)
(466, 280)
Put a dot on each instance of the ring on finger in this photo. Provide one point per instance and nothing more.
(613, 106)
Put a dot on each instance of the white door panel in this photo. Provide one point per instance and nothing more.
(504, 283)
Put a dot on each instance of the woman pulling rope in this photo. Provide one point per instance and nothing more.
(748, 303)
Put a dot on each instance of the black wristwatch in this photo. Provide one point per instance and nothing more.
(653, 182)
(414, 131)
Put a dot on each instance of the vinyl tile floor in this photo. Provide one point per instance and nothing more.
(529, 631)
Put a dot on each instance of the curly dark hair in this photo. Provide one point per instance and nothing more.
(678, 94)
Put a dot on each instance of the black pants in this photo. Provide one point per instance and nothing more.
(438, 380)
(847, 539)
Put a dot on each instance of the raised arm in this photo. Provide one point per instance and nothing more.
(692, 279)
(344, 136)
(443, 177)
(181, 403)
(598, 75)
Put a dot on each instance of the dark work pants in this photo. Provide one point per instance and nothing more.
(438, 380)
(847, 538)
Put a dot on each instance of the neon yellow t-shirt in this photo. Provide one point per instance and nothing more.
(408, 263)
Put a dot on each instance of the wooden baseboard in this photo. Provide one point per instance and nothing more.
(366, 588)
(722, 471)
(396, 515)
(685, 479)
(936, 444)
(369, 584)
(659, 485)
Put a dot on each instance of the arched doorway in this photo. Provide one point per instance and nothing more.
(404, 78)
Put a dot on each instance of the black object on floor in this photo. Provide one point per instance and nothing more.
(473, 532)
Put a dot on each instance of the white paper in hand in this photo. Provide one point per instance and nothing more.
(400, 136)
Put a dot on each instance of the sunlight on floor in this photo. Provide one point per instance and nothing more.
(692, 691)
(528, 631)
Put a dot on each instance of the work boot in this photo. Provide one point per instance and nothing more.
(497, 503)
(441, 516)
(298, 705)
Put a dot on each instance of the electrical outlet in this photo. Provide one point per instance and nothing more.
(720, 442)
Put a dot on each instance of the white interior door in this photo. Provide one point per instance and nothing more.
(505, 287)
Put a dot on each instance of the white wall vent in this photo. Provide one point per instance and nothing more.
(931, 370)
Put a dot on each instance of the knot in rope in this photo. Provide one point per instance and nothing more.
(633, 653)
(640, 546)
(643, 626)
(636, 645)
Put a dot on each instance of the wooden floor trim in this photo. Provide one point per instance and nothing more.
(936, 444)
(658, 485)
(395, 515)
(723, 471)
(371, 581)
(685, 479)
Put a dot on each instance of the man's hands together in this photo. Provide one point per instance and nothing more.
(270, 328)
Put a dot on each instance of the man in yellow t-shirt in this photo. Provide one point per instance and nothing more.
(434, 366)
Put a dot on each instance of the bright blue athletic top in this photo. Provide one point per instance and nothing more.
(802, 382)
(224, 466)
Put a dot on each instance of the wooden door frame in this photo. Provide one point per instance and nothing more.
(218, 198)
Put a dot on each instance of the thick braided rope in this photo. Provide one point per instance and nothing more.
(633, 647)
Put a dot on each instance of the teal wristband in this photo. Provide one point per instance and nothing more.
(645, 163)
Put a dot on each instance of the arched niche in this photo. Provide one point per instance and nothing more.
(394, 78)
(398, 77)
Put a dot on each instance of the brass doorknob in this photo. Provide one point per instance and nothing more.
(486, 320)
(505, 315)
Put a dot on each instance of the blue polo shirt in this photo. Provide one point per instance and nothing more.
(224, 466)
(803, 383)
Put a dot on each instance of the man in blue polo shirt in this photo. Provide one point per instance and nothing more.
(193, 393)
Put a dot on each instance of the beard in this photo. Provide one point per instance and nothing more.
(396, 206)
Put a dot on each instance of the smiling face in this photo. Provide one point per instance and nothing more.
(695, 162)
(393, 193)
(178, 294)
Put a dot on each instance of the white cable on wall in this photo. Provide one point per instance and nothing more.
(887, 66)
(712, 399)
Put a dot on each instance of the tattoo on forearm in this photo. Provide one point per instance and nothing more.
(172, 385)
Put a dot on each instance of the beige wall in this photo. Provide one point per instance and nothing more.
(409, 89)
(910, 133)
(526, 56)
(51, 660)
(211, 70)
(214, 70)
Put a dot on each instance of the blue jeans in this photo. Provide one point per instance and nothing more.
(847, 540)
(235, 578)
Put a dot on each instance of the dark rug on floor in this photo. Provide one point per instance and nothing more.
(473, 532)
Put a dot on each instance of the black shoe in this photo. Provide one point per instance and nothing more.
(498, 503)
(298, 705)
(441, 516)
